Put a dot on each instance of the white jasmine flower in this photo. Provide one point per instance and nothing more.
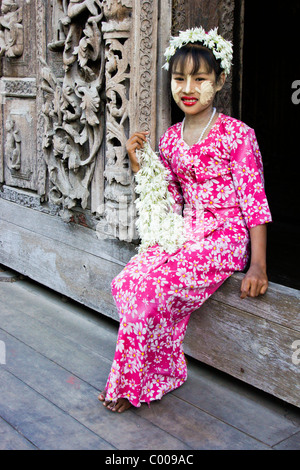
(157, 223)
(221, 48)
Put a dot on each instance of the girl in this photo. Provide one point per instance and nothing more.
(215, 170)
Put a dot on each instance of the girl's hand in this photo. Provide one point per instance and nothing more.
(255, 282)
(136, 142)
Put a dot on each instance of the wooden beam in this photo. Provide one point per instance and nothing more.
(252, 340)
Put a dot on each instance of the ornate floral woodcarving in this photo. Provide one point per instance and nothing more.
(147, 58)
(41, 52)
(144, 59)
(12, 145)
(178, 16)
(11, 29)
(13, 151)
(95, 39)
(98, 69)
(19, 141)
(73, 113)
(117, 218)
(14, 87)
(130, 34)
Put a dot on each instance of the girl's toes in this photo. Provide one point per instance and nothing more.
(101, 396)
(122, 405)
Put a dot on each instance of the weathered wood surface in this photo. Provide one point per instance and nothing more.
(251, 339)
(280, 305)
(58, 357)
(247, 346)
(65, 257)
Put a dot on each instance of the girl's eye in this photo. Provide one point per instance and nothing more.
(199, 79)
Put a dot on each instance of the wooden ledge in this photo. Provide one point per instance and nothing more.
(252, 339)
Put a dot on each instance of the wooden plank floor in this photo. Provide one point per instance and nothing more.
(55, 356)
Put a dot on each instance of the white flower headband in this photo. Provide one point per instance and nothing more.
(221, 48)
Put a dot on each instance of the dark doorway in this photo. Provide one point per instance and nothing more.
(269, 104)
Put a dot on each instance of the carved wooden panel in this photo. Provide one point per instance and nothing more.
(18, 128)
(130, 34)
(72, 106)
(77, 78)
(17, 38)
(18, 93)
(20, 142)
(118, 192)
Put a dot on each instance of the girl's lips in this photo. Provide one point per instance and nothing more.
(188, 100)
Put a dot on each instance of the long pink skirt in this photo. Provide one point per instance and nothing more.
(155, 295)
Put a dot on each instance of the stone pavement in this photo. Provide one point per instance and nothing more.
(55, 356)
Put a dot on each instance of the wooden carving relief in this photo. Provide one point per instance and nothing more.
(147, 57)
(18, 38)
(13, 145)
(179, 16)
(19, 129)
(143, 92)
(108, 54)
(72, 108)
(118, 192)
(11, 29)
(18, 92)
(77, 78)
(114, 207)
(83, 76)
(130, 41)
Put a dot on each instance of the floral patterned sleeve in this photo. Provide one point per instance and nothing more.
(248, 179)
(174, 185)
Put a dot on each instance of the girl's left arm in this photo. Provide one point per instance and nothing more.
(255, 281)
(247, 172)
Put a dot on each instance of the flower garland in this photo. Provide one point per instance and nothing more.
(221, 48)
(157, 222)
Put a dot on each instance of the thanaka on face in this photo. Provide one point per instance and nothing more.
(193, 91)
(176, 89)
(205, 90)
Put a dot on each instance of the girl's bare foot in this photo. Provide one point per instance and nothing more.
(122, 404)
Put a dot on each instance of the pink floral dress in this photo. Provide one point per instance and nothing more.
(220, 178)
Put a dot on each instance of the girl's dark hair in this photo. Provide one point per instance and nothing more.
(199, 54)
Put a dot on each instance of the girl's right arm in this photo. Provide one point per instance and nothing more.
(136, 142)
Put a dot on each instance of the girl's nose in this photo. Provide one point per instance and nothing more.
(188, 85)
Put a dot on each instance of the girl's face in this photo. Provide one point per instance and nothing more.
(193, 93)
